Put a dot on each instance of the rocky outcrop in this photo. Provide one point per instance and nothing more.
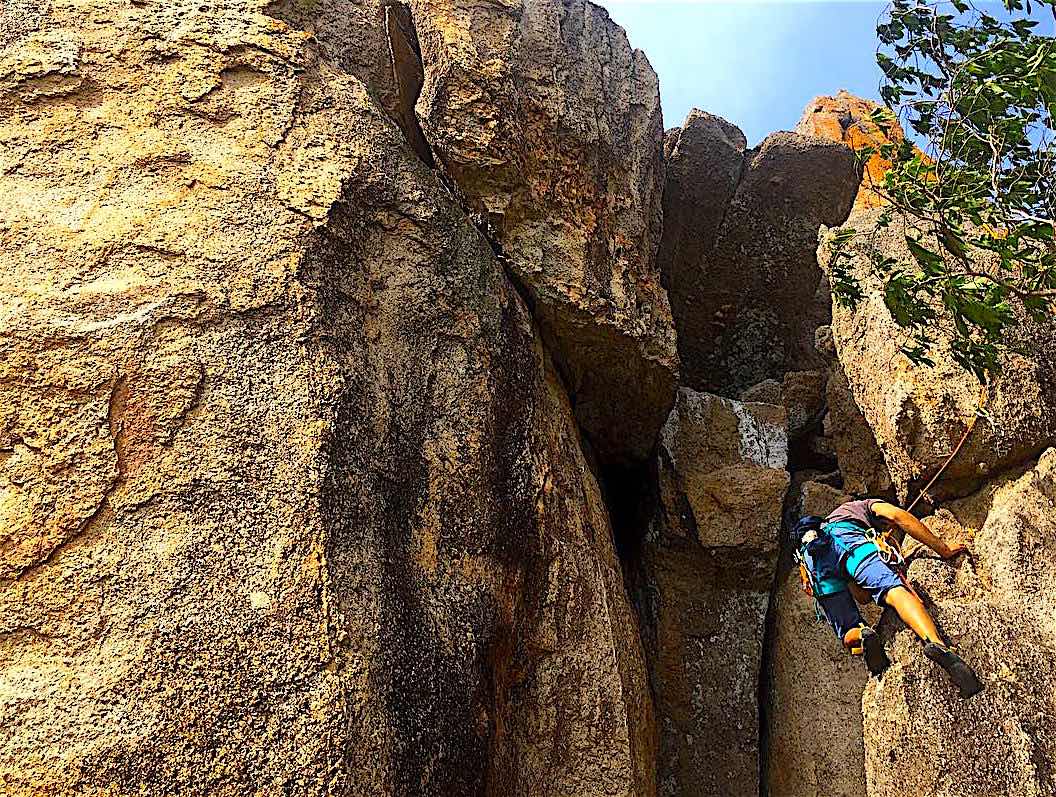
(705, 159)
(706, 571)
(738, 252)
(860, 459)
(374, 40)
(318, 323)
(291, 500)
(549, 123)
(920, 737)
(918, 414)
(851, 120)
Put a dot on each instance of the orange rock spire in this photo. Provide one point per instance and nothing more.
(846, 118)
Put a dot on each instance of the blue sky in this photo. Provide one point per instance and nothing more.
(755, 63)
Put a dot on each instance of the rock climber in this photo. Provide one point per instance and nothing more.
(843, 557)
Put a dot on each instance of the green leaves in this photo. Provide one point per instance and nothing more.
(931, 263)
(978, 209)
(905, 305)
(846, 290)
(992, 318)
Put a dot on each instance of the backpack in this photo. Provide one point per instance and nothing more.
(818, 556)
(820, 550)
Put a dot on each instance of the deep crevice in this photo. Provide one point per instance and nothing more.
(804, 451)
(408, 73)
(763, 688)
(630, 494)
(781, 573)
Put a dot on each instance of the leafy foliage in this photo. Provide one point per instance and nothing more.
(977, 203)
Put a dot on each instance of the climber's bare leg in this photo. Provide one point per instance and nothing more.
(913, 614)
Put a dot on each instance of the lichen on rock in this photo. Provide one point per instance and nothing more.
(852, 121)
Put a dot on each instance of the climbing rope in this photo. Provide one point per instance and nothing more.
(983, 396)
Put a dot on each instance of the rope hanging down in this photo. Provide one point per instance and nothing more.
(983, 396)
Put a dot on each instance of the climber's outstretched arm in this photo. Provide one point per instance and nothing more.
(915, 529)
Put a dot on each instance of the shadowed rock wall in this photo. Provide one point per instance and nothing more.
(293, 500)
(738, 252)
(705, 574)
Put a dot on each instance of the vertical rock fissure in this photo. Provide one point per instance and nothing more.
(631, 497)
(408, 74)
(764, 696)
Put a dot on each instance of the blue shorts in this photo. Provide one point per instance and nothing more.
(874, 577)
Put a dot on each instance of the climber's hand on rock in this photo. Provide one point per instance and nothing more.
(949, 551)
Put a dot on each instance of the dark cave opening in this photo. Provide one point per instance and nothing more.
(631, 495)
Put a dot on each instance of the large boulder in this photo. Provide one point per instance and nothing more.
(291, 500)
(813, 688)
(860, 124)
(921, 738)
(918, 414)
(706, 569)
(549, 123)
(738, 251)
(705, 158)
(860, 459)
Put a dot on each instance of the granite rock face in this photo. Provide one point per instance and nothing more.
(319, 321)
(705, 159)
(917, 413)
(706, 570)
(850, 120)
(739, 249)
(920, 737)
(291, 498)
(549, 123)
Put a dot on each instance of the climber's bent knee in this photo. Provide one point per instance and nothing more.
(842, 613)
(897, 595)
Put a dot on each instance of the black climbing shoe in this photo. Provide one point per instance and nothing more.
(873, 650)
(960, 673)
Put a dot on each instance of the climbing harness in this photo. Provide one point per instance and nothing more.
(890, 552)
(887, 548)
(820, 549)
